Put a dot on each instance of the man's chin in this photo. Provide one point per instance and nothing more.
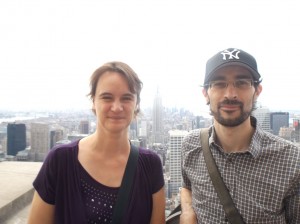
(232, 122)
(230, 119)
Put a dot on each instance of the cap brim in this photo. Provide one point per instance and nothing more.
(255, 74)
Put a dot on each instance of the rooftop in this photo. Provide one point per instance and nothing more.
(16, 190)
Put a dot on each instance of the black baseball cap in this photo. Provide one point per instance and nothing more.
(231, 56)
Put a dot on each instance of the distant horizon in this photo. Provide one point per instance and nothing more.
(70, 109)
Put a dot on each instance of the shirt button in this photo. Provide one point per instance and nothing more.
(226, 220)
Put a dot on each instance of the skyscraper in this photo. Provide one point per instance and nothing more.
(143, 128)
(133, 129)
(262, 114)
(16, 138)
(84, 127)
(199, 122)
(278, 120)
(176, 137)
(40, 141)
(296, 124)
(56, 135)
(296, 132)
(157, 127)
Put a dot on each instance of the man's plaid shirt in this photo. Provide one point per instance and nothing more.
(264, 182)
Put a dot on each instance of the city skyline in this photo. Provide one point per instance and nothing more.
(50, 48)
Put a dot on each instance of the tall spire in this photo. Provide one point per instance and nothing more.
(157, 128)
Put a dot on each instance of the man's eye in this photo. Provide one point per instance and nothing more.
(241, 83)
(220, 84)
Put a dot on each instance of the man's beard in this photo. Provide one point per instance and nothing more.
(231, 122)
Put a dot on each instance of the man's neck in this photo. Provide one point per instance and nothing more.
(234, 139)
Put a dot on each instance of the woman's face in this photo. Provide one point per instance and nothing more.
(113, 103)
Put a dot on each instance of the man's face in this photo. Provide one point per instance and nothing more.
(231, 95)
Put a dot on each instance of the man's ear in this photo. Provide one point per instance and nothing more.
(258, 90)
(205, 94)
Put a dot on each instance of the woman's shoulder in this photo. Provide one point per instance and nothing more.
(149, 155)
(147, 152)
(64, 150)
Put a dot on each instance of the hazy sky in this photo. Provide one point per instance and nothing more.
(49, 49)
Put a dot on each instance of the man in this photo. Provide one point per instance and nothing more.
(260, 170)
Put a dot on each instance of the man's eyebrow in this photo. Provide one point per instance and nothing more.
(218, 78)
(244, 76)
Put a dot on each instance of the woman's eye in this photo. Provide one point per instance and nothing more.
(106, 98)
(127, 98)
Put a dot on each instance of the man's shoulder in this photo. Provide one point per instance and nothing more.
(191, 141)
(193, 133)
(269, 141)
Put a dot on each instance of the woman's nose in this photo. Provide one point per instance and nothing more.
(117, 106)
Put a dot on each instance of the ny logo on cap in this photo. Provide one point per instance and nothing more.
(230, 54)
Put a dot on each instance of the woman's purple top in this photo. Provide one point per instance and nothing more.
(60, 183)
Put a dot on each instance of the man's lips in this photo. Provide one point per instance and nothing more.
(230, 107)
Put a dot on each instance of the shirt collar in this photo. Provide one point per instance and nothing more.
(255, 146)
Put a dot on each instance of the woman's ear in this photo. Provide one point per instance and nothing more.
(136, 110)
(93, 107)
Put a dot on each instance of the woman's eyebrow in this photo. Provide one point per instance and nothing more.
(104, 94)
(128, 95)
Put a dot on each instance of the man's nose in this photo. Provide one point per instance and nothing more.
(231, 91)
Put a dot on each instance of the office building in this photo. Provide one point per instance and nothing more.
(75, 137)
(3, 137)
(262, 114)
(296, 132)
(16, 138)
(143, 128)
(279, 120)
(84, 127)
(40, 141)
(296, 124)
(157, 125)
(56, 136)
(175, 138)
(133, 129)
(198, 122)
(286, 133)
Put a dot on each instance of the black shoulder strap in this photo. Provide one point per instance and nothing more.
(231, 211)
(127, 180)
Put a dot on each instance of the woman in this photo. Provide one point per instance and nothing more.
(79, 182)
